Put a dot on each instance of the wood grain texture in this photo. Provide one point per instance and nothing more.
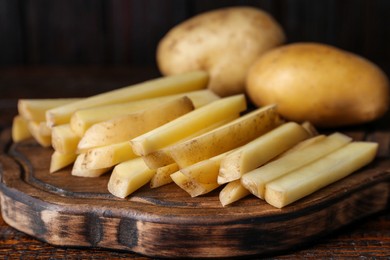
(165, 222)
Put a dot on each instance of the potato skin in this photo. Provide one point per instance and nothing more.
(223, 42)
(319, 83)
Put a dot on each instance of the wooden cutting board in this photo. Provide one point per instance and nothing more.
(165, 222)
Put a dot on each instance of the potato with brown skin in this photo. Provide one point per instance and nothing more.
(319, 83)
(223, 42)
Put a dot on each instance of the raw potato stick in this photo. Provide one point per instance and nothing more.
(225, 138)
(20, 130)
(188, 124)
(63, 139)
(163, 175)
(261, 150)
(39, 133)
(162, 157)
(83, 119)
(232, 192)
(80, 170)
(314, 176)
(61, 160)
(191, 186)
(205, 171)
(107, 156)
(256, 180)
(129, 126)
(35, 109)
(152, 88)
(128, 177)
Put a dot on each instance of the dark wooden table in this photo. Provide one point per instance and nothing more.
(367, 238)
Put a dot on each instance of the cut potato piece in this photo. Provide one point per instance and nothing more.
(314, 176)
(83, 119)
(80, 170)
(205, 171)
(301, 155)
(162, 157)
(35, 109)
(158, 159)
(153, 88)
(20, 129)
(107, 156)
(232, 192)
(226, 137)
(40, 133)
(163, 175)
(261, 150)
(188, 124)
(128, 177)
(191, 186)
(61, 160)
(126, 127)
(64, 140)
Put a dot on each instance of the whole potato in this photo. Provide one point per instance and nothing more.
(223, 42)
(319, 83)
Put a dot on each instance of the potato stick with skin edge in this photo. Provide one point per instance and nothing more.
(261, 150)
(192, 187)
(188, 124)
(162, 156)
(64, 140)
(79, 169)
(83, 119)
(43, 138)
(126, 127)
(232, 192)
(162, 86)
(205, 171)
(314, 176)
(163, 175)
(256, 180)
(19, 131)
(227, 137)
(107, 156)
(35, 109)
(301, 145)
(59, 160)
(128, 177)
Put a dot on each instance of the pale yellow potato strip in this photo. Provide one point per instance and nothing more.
(205, 171)
(163, 175)
(80, 170)
(260, 150)
(83, 119)
(35, 109)
(39, 133)
(157, 159)
(152, 88)
(192, 187)
(256, 180)
(107, 156)
(162, 156)
(59, 160)
(232, 192)
(128, 177)
(64, 140)
(188, 124)
(20, 131)
(320, 173)
(126, 127)
(225, 138)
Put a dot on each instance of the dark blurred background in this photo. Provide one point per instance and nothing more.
(125, 33)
